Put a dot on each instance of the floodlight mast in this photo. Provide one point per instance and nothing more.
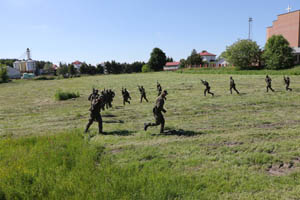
(250, 27)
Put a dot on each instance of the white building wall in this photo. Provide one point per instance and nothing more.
(209, 58)
(30, 65)
(170, 68)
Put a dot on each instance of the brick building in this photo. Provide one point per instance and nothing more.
(288, 25)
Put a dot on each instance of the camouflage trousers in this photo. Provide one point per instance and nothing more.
(287, 87)
(143, 96)
(159, 120)
(95, 117)
(207, 90)
(269, 87)
(233, 87)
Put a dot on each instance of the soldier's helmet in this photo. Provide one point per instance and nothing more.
(165, 92)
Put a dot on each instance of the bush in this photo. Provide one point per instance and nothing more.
(60, 95)
(3, 74)
(146, 68)
(44, 78)
(243, 54)
(278, 53)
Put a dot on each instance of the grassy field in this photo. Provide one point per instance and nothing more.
(223, 147)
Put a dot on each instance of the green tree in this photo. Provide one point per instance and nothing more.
(194, 59)
(8, 62)
(146, 68)
(243, 54)
(48, 68)
(62, 70)
(3, 74)
(157, 59)
(169, 59)
(182, 63)
(71, 70)
(278, 53)
(100, 69)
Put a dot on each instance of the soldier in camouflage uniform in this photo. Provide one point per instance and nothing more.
(110, 98)
(126, 96)
(94, 95)
(232, 86)
(157, 112)
(103, 96)
(143, 93)
(269, 83)
(95, 114)
(158, 88)
(207, 88)
(287, 83)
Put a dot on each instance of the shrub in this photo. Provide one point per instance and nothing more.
(44, 78)
(3, 74)
(146, 68)
(278, 53)
(60, 95)
(244, 54)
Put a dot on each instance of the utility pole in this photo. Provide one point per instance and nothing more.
(250, 27)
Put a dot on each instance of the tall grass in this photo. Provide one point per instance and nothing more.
(61, 95)
(67, 166)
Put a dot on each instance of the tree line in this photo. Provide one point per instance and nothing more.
(246, 54)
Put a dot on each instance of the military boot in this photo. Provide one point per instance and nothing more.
(146, 126)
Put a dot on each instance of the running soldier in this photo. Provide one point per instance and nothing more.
(157, 112)
(269, 83)
(232, 86)
(158, 88)
(126, 96)
(287, 83)
(143, 93)
(110, 98)
(207, 89)
(95, 114)
(94, 95)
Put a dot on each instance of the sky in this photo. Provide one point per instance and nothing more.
(127, 30)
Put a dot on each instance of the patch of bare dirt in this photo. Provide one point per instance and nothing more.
(228, 143)
(268, 125)
(115, 151)
(283, 169)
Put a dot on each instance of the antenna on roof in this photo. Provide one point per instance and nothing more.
(250, 27)
(289, 8)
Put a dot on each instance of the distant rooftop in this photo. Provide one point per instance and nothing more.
(205, 53)
(172, 63)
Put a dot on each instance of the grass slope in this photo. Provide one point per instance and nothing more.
(222, 147)
(233, 70)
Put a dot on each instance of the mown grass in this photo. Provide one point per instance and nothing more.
(218, 147)
(233, 70)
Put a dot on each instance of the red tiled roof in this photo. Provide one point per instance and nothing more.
(76, 62)
(205, 53)
(172, 63)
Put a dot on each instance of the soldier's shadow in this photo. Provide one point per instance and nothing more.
(114, 122)
(242, 94)
(108, 115)
(180, 132)
(119, 133)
